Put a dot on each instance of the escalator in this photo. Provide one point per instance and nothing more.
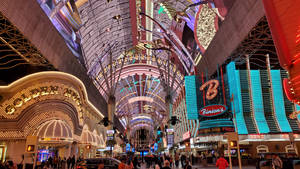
(267, 101)
(246, 100)
(289, 106)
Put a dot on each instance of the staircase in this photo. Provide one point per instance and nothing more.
(246, 100)
(289, 106)
(267, 101)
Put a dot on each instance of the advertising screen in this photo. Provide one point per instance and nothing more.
(170, 137)
(110, 134)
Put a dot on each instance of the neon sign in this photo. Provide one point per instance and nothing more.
(186, 135)
(212, 90)
(212, 110)
(35, 93)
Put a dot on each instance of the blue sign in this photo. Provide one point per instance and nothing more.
(127, 147)
(155, 147)
(191, 91)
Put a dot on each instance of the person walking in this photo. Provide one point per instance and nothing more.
(55, 162)
(73, 160)
(122, 164)
(187, 164)
(222, 162)
(176, 160)
(277, 162)
(50, 161)
(63, 163)
(136, 162)
(182, 158)
(166, 165)
(69, 162)
(157, 164)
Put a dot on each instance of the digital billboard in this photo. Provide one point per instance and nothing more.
(192, 102)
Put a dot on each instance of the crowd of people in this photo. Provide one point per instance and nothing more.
(58, 163)
(155, 161)
(176, 161)
(51, 163)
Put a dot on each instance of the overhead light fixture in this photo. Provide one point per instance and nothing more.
(117, 17)
(140, 98)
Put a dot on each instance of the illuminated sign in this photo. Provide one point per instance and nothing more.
(155, 146)
(256, 136)
(212, 90)
(191, 97)
(127, 147)
(170, 130)
(35, 93)
(110, 134)
(215, 138)
(192, 93)
(212, 110)
(186, 135)
(30, 148)
(170, 137)
(109, 148)
(31, 142)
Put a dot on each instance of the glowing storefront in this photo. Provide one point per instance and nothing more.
(53, 106)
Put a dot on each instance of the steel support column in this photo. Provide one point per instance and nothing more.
(111, 110)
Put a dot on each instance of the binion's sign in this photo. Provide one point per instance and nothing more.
(212, 110)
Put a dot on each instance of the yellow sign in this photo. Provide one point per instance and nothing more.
(34, 93)
(30, 148)
(40, 92)
(31, 143)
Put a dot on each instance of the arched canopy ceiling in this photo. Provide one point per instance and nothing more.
(118, 38)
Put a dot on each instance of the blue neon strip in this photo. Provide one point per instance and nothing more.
(216, 123)
(283, 122)
(197, 127)
(297, 109)
(233, 77)
(191, 97)
(194, 128)
(183, 116)
(257, 101)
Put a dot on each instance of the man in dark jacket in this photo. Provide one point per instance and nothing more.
(182, 159)
(73, 160)
(135, 162)
(69, 162)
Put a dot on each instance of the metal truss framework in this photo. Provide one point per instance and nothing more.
(256, 45)
(15, 49)
(111, 64)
